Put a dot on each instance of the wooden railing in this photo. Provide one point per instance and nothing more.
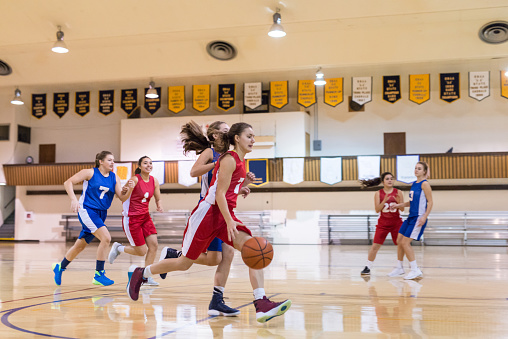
(443, 166)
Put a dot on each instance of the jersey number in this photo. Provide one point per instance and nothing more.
(145, 197)
(411, 195)
(389, 207)
(104, 191)
(237, 188)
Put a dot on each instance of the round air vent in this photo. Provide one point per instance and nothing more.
(494, 32)
(221, 50)
(5, 69)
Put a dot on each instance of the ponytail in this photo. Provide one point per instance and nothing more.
(374, 182)
(101, 156)
(193, 138)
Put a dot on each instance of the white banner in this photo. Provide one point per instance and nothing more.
(292, 170)
(158, 171)
(184, 177)
(369, 167)
(406, 168)
(252, 94)
(361, 89)
(479, 85)
(331, 170)
(123, 170)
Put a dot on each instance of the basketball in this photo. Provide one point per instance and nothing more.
(257, 253)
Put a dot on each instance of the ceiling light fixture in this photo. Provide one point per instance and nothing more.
(60, 46)
(17, 98)
(320, 78)
(152, 92)
(277, 31)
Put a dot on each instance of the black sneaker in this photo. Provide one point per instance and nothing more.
(168, 253)
(218, 307)
(366, 271)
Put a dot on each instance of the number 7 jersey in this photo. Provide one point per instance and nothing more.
(98, 192)
(237, 179)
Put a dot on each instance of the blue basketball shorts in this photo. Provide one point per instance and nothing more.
(409, 229)
(91, 220)
(215, 245)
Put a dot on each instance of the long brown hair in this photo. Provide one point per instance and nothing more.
(227, 139)
(375, 181)
(101, 156)
(194, 139)
(138, 170)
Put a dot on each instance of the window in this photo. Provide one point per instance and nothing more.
(24, 134)
(4, 132)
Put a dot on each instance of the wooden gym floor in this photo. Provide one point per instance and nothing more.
(463, 294)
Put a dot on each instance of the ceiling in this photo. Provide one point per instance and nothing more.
(126, 40)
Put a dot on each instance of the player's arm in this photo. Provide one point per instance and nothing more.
(379, 205)
(203, 164)
(84, 174)
(157, 195)
(400, 200)
(430, 203)
(124, 192)
(227, 167)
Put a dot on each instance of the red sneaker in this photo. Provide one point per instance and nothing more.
(135, 283)
(266, 309)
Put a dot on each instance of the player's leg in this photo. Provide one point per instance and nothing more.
(379, 239)
(217, 305)
(410, 233)
(71, 254)
(100, 278)
(152, 244)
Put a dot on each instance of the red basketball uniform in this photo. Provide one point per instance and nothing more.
(206, 221)
(389, 218)
(137, 223)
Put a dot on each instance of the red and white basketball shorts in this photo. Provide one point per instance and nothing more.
(382, 230)
(137, 228)
(206, 223)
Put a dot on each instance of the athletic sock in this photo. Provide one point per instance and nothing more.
(218, 290)
(400, 264)
(148, 272)
(369, 264)
(99, 266)
(259, 293)
(413, 265)
(121, 249)
(64, 263)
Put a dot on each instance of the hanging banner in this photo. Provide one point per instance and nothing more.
(260, 169)
(479, 85)
(361, 89)
(279, 94)
(106, 102)
(123, 170)
(504, 84)
(331, 170)
(60, 103)
(406, 168)
(38, 105)
(306, 93)
(252, 94)
(176, 99)
(201, 97)
(391, 88)
(334, 91)
(152, 105)
(292, 170)
(419, 88)
(369, 166)
(82, 105)
(226, 96)
(129, 100)
(449, 86)
(159, 171)
(184, 177)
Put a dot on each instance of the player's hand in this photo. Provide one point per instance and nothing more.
(232, 231)
(124, 190)
(244, 192)
(74, 206)
(386, 198)
(160, 209)
(421, 220)
(397, 206)
(249, 178)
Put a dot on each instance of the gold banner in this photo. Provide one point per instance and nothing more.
(419, 88)
(176, 99)
(334, 93)
(504, 85)
(278, 93)
(201, 97)
(306, 93)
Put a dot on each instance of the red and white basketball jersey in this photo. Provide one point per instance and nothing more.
(139, 200)
(388, 213)
(237, 179)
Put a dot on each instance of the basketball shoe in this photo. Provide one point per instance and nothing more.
(266, 309)
(168, 253)
(114, 252)
(366, 271)
(58, 273)
(396, 272)
(151, 282)
(135, 283)
(218, 307)
(413, 274)
(101, 279)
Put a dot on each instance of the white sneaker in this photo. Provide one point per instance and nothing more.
(396, 272)
(413, 274)
(114, 252)
(151, 282)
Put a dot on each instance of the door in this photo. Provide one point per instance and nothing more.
(395, 143)
(47, 154)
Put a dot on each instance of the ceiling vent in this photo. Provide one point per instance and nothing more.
(495, 32)
(221, 50)
(5, 69)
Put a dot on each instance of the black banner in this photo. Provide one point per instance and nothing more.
(82, 106)
(60, 103)
(152, 105)
(129, 100)
(106, 102)
(391, 88)
(450, 86)
(39, 105)
(226, 96)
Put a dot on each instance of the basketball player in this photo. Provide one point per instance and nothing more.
(214, 217)
(99, 187)
(389, 218)
(137, 223)
(420, 204)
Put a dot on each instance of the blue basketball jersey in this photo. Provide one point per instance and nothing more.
(206, 178)
(418, 200)
(98, 192)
